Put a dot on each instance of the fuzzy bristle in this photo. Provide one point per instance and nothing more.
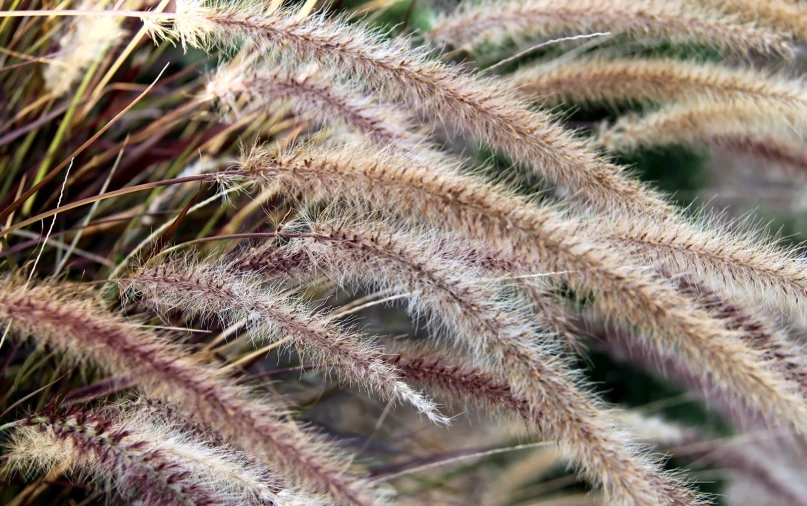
(393, 69)
(783, 15)
(85, 41)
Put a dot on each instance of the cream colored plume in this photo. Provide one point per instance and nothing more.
(86, 39)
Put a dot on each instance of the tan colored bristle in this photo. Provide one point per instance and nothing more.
(785, 15)
(457, 303)
(85, 41)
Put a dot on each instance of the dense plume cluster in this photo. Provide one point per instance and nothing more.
(412, 227)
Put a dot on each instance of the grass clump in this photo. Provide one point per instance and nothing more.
(235, 236)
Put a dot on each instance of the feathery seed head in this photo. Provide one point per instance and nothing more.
(676, 21)
(217, 290)
(546, 241)
(474, 314)
(87, 40)
(85, 331)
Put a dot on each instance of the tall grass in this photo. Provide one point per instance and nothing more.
(247, 246)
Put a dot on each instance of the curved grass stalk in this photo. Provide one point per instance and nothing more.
(757, 330)
(392, 68)
(458, 382)
(147, 459)
(706, 120)
(95, 444)
(745, 264)
(746, 269)
(317, 93)
(471, 104)
(784, 15)
(739, 457)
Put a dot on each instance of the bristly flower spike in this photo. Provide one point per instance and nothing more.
(477, 315)
(84, 331)
(215, 290)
